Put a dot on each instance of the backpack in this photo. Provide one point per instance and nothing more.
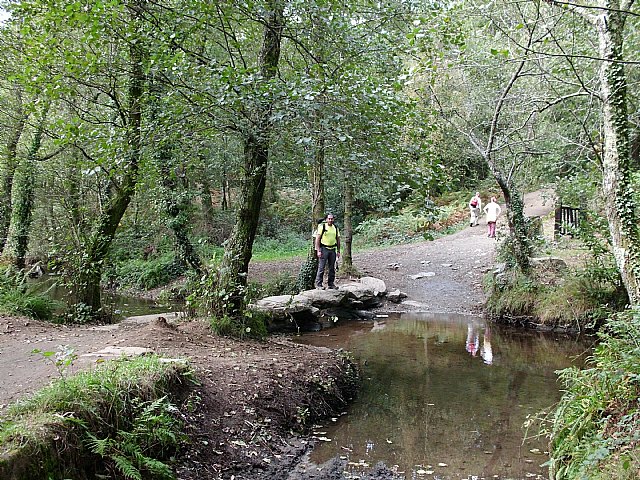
(474, 202)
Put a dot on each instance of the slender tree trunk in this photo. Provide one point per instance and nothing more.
(226, 192)
(9, 169)
(207, 204)
(617, 184)
(107, 223)
(346, 240)
(22, 196)
(316, 184)
(235, 262)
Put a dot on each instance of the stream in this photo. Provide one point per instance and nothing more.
(445, 396)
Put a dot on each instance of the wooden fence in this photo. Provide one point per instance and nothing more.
(567, 218)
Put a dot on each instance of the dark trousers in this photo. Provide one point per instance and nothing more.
(328, 257)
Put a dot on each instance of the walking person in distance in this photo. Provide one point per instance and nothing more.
(475, 207)
(492, 210)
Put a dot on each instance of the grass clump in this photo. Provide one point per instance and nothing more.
(145, 274)
(116, 420)
(285, 245)
(511, 294)
(595, 428)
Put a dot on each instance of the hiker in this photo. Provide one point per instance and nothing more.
(475, 207)
(328, 249)
(492, 210)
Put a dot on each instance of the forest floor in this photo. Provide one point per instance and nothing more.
(251, 393)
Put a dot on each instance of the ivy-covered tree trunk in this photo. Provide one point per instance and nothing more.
(617, 183)
(107, 223)
(9, 168)
(308, 270)
(176, 206)
(519, 242)
(22, 199)
(235, 262)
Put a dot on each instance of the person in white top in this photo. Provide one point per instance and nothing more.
(492, 210)
(475, 207)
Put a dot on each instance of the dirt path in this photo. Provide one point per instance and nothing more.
(454, 266)
(234, 373)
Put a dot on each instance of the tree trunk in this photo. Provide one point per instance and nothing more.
(307, 273)
(22, 198)
(617, 183)
(177, 213)
(235, 262)
(346, 239)
(316, 184)
(208, 212)
(107, 223)
(9, 169)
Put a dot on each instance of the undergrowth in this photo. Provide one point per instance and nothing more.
(16, 299)
(594, 429)
(575, 299)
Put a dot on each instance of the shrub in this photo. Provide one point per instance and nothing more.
(250, 324)
(228, 312)
(411, 225)
(146, 274)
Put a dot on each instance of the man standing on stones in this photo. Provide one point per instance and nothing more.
(328, 249)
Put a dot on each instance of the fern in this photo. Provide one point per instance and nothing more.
(152, 432)
(124, 465)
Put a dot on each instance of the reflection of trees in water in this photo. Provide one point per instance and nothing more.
(436, 403)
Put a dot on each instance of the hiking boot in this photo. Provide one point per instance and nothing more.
(333, 287)
(319, 286)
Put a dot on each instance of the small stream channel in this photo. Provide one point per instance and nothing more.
(445, 396)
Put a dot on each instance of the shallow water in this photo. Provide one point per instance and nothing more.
(120, 306)
(445, 396)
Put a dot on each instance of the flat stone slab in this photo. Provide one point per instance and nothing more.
(117, 352)
(325, 298)
(417, 276)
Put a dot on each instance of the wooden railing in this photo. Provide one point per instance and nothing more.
(567, 218)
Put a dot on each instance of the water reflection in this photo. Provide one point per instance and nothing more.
(474, 328)
(445, 396)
